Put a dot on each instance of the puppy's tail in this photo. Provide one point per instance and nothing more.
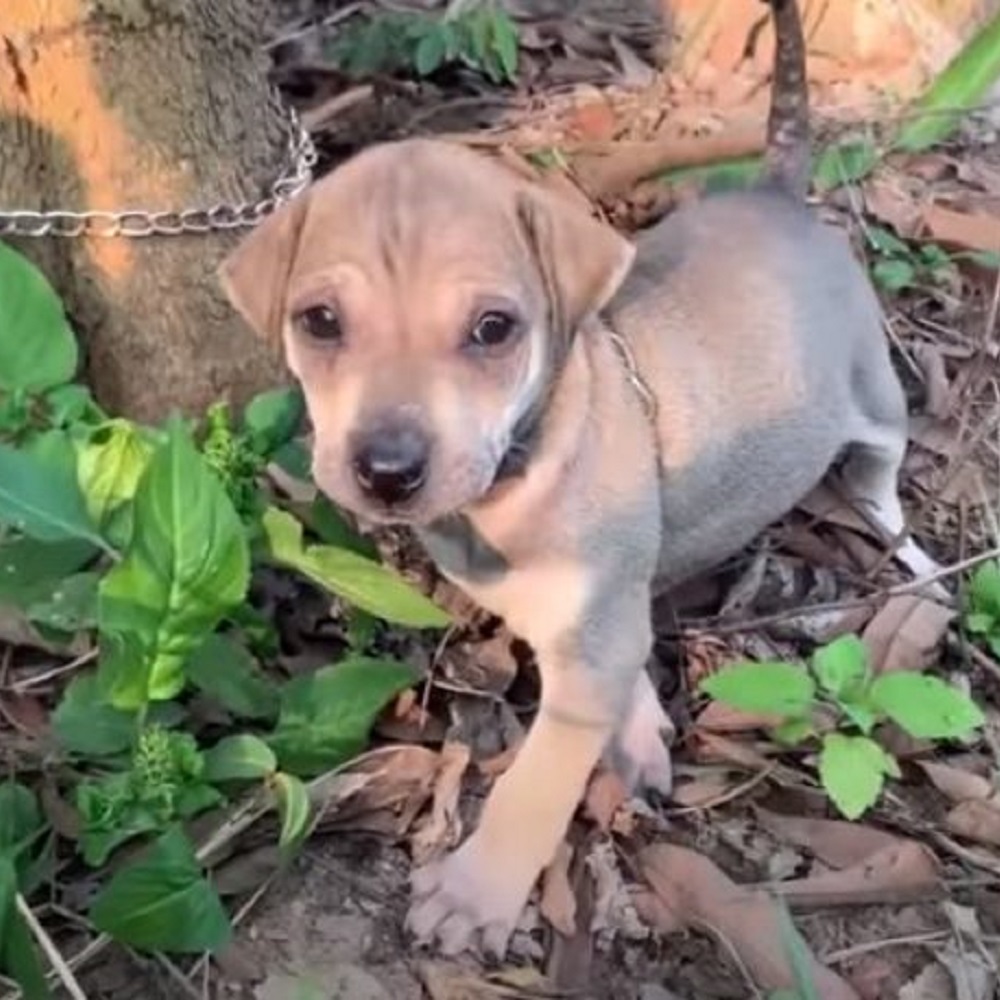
(788, 157)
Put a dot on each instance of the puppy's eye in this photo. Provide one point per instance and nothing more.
(494, 328)
(320, 323)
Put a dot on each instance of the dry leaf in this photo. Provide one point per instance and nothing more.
(956, 783)
(906, 632)
(381, 792)
(689, 891)
(705, 790)
(888, 200)
(558, 901)
(721, 718)
(932, 983)
(904, 870)
(977, 820)
(711, 747)
(931, 361)
(962, 230)
(443, 827)
(25, 712)
(612, 907)
(835, 842)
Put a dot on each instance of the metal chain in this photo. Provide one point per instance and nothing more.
(135, 223)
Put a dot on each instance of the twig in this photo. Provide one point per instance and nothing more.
(855, 950)
(19, 687)
(39, 933)
(319, 117)
(808, 610)
(733, 793)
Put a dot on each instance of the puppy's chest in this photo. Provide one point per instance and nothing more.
(540, 598)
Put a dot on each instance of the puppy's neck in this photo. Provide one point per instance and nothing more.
(550, 431)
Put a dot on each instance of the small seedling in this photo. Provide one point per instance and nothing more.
(839, 701)
(982, 617)
(899, 266)
(482, 38)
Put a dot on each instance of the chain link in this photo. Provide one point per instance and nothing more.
(136, 223)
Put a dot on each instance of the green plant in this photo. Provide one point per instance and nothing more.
(145, 539)
(982, 615)
(899, 265)
(482, 37)
(839, 701)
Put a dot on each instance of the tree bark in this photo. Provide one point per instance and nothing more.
(146, 104)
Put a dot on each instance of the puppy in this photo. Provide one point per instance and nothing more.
(568, 419)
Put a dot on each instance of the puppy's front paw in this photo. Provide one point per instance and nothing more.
(468, 898)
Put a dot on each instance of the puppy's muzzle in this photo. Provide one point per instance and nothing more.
(390, 462)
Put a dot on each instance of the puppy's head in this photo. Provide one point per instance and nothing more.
(425, 296)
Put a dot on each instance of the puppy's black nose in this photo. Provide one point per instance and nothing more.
(390, 462)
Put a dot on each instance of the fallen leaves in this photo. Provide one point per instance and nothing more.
(961, 230)
(687, 891)
(906, 633)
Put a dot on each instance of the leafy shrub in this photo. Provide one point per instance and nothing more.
(145, 538)
(483, 38)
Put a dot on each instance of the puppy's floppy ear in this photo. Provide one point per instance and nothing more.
(582, 261)
(255, 274)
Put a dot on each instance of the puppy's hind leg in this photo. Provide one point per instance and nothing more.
(871, 479)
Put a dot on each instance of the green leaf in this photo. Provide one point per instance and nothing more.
(842, 666)
(110, 466)
(239, 758)
(980, 622)
(332, 528)
(791, 732)
(293, 806)
(988, 259)
(845, 162)
(187, 565)
(71, 606)
(368, 585)
(42, 500)
(20, 818)
(18, 957)
(773, 688)
(884, 242)
(984, 588)
(226, 672)
(504, 43)
(294, 459)
(853, 770)
(327, 716)
(110, 816)
(861, 713)
(925, 706)
(84, 724)
(961, 85)
(272, 418)
(430, 52)
(72, 404)
(894, 275)
(20, 824)
(37, 347)
(163, 902)
(31, 570)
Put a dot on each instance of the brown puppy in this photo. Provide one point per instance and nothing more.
(567, 418)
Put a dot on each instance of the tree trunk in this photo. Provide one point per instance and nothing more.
(145, 104)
